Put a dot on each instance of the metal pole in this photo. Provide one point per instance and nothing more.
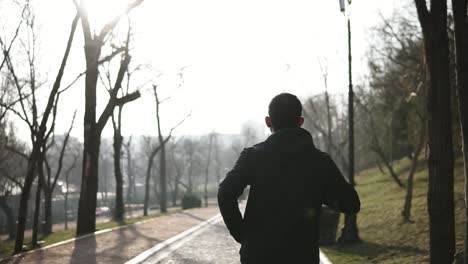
(350, 109)
(350, 233)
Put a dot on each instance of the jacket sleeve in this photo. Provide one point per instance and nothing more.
(339, 194)
(229, 191)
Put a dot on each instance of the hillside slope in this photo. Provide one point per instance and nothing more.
(386, 239)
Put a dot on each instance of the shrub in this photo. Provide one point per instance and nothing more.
(191, 201)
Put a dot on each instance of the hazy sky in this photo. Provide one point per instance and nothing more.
(238, 55)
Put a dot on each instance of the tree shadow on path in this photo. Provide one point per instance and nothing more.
(371, 250)
(84, 251)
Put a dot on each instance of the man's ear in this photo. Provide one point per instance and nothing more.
(268, 122)
(301, 121)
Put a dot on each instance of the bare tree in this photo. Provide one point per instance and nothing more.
(461, 46)
(93, 127)
(152, 153)
(375, 145)
(440, 195)
(161, 147)
(116, 118)
(38, 123)
(314, 111)
(177, 160)
(324, 70)
(162, 155)
(50, 182)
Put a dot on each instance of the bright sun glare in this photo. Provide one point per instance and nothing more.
(102, 11)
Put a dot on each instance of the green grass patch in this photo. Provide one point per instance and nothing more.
(386, 239)
(7, 247)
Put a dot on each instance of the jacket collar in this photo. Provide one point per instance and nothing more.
(296, 134)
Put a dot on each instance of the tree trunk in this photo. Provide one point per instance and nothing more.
(86, 222)
(37, 209)
(461, 47)
(162, 177)
(414, 164)
(379, 166)
(390, 169)
(129, 172)
(465, 160)
(129, 189)
(48, 222)
(409, 192)
(119, 205)
(65, 203)
(329, 120)
(440, 160)
(26, 191)
(162, 165)
(147, 185)
(175, 193)
(155, 188)
(190, 176)
(45, 186)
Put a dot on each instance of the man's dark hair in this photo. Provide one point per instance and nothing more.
(285, 111)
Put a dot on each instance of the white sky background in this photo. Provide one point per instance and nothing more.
(237, 53)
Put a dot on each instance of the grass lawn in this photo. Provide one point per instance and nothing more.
(7, 247)
(385, 238)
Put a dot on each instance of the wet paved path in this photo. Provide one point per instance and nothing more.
(211, 245)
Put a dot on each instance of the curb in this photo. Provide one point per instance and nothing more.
(171, 243)
(323, 258)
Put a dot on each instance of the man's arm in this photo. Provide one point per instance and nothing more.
(339, 194)
(229, 191)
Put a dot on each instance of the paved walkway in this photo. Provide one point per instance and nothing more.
(212, 245)
(120, 245)
(209, 243)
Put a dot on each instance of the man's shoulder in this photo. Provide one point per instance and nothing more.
(322, 154)
(251, 150)
(259, 146)
(249, 153)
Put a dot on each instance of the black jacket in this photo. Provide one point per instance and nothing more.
(289, 181)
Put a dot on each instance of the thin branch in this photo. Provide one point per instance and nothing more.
(110, 26)
(73, 82)
(53, 94)
(17, 152)
(15, 35)
(112, 55)
(116, 102)
(16, 82)
(62, 152)
(11, 178)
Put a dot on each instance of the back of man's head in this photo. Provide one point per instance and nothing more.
(285, 111)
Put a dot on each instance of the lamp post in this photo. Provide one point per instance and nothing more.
(349, 233)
